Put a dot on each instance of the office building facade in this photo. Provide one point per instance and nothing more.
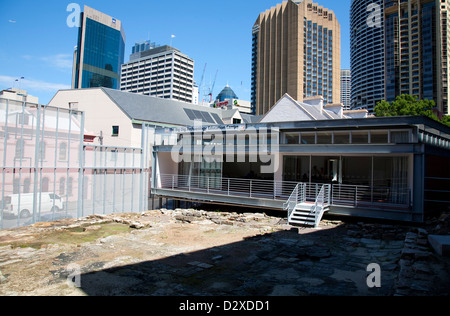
(346, 88)
(296, 49)
(100, 51)
(367, 54)
(417, 50)
(142, 47)
(162, 72)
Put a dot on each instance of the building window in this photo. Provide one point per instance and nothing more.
(360, 137)
(19, 148)
(73, 106)
(115, 131)
(292, 139)
(308, 138)
(63, 152)
(378, 137)
(62, 186)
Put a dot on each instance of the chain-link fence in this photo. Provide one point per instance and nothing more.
(49, 172)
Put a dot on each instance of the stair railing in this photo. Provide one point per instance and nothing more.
(298, 196)
(322, 203)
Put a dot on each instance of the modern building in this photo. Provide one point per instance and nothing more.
(296, 49)
(162, 72)
(142, 47)
(417, 50)
(100, 51)
(367, 54)
(314, 161)
(346, 88)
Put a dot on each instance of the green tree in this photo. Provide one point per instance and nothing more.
(408, 105)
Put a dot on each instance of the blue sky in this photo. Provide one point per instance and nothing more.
(38, 45)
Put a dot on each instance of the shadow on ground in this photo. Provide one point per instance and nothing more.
(286, 263)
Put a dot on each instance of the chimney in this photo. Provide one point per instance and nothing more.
(316, 101)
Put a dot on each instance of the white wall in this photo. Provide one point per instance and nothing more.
(101, 114)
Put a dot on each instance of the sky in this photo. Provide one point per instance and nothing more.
(37, 43)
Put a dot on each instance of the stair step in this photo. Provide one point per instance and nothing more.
(305, 223)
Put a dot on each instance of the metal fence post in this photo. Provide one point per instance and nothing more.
(4, 164)
(36, 162)
(81, 183)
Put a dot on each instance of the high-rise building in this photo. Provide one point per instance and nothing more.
(296, 49)
(346, 88)
(142, 47)
(100, 51)
(417, 50)
(162, 72)
(367, 54)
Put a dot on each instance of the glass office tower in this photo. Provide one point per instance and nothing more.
(417, 50)
(367, 55)
(296, 49)
(100, 51)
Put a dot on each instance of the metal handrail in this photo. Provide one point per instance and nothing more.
(252, 188)
(336, 194)
(323, 200)
(298, 196)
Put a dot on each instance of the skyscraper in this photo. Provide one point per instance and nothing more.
(346, 88)
(162, 72)
(417, 50)
(100, 51)
(296, 49)
(367, 54)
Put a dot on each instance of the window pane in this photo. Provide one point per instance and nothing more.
(341, 137)
(360, 137)
(378, 137)
(399, 137)
(308, 138)
(292, 139)
(356, 170)
(324, 138)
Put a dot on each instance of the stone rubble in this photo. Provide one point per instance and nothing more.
(197, 252)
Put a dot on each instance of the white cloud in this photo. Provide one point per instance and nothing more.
(31, 84)
(60, 61)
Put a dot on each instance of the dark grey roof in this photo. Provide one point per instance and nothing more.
(157, 110)
(251, 119)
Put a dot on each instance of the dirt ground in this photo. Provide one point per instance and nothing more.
(190, 252)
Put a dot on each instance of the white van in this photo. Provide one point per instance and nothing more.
(50, 202)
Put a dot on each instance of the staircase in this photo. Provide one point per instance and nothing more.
(302, 212)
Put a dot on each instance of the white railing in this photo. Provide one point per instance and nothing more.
(322, 202)
(250, 188)
(298, 196)
(335, 195)
(362, 195)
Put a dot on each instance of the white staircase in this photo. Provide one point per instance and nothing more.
(301, 212)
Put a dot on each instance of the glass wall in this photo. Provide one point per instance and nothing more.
(104, 51)
(382, 179)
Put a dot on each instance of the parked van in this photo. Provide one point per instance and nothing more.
(50, 202)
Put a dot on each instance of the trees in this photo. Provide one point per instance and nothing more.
(408, 105)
